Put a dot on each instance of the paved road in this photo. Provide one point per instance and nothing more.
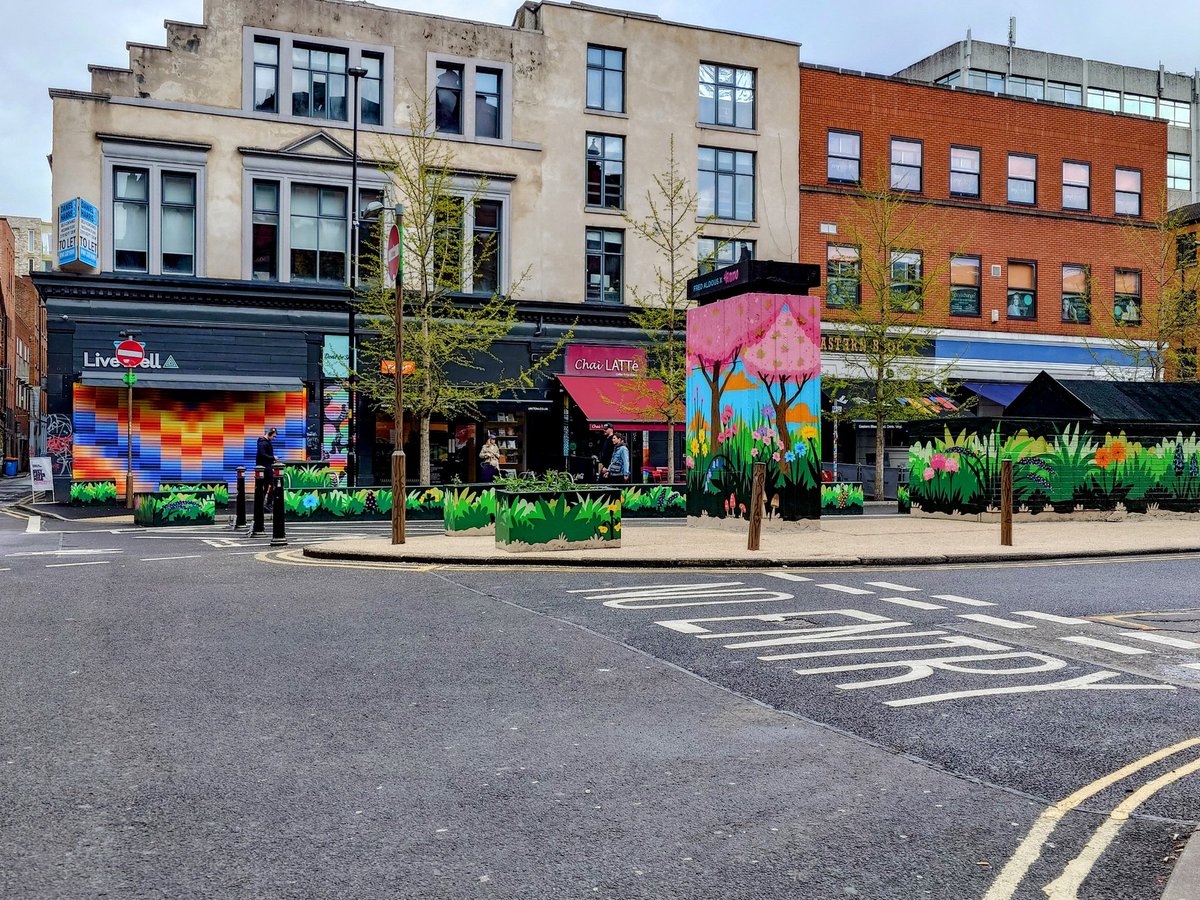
(185, 719)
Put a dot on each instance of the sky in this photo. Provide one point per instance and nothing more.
(52, 42)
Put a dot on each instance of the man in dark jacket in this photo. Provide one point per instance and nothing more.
(608, 443)
(265, 456)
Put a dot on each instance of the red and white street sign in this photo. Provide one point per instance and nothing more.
(393, 255)
(130, 353)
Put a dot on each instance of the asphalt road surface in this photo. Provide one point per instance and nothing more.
(186, 714)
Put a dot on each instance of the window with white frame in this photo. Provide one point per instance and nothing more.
(964, 171)
(907, 285)
(716, 253)
(471, 98)
(1076, 185)
(1064, 92)
(982, 80)
(1099, 98)
(1022, 179)
(726, 96)
(906, 165)
(1179, 172)
(152, 219)
(1138, 104)
(726, 184)
(843, 276)
(1127, 186)
(318, 231)
(1020, 86)
(844, 157)
(1177, 112)
(314, 71)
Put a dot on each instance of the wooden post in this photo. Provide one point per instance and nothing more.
(1006, 502)
(758, 497)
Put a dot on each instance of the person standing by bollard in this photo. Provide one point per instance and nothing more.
(265, 457)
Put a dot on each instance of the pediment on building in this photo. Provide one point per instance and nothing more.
(319, 143)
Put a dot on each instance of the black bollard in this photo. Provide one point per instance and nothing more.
(239, 509)
(278, 537)
(260, 489)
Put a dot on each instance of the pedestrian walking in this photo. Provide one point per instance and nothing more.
(265, 456)
(608, 443)
(489, 459)
(617, 470)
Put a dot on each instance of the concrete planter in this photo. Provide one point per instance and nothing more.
(469, 509)
(94, 493)
(842, 498)
(219, 489)
(558, 520)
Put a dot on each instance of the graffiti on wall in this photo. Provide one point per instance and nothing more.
(180, 435)
(336, 436)
(1068, 470)
(60, 443)
(754, 374)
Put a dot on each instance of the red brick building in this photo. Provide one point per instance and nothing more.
(1038, 216)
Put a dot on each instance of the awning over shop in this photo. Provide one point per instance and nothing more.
(622, 401)
(997, 392)
(174, 381)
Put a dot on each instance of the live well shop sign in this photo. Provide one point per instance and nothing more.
(151, 361)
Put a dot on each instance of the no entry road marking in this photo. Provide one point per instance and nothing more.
(994, 620)
(1105, 645)
(965, 601)
(1180, 643)
(915, 604)
(887, 585)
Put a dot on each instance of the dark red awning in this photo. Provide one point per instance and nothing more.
(625, 402)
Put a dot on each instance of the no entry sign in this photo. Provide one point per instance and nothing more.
(393, 254)
(130, 353)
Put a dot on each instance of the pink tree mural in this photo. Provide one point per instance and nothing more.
(716, 337)
(785, 357)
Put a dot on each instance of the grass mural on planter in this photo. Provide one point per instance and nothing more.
(469, 509)
(335, 503)
(552, 512)
(298, 476)
(903, 505)
(754, 396)
(159, 508)
(219, 489)
(1068, 471)
(93, 493)
(842, 499)
(660, 501)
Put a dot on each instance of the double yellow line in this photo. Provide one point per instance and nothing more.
(1066, 886)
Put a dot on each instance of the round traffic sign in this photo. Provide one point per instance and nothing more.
(393, 253)
(130, 353)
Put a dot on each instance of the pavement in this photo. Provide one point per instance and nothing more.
(13, 490)
(850, 541)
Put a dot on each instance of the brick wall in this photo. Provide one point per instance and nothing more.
(880, 109)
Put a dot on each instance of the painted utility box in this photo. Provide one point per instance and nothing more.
(754, 391)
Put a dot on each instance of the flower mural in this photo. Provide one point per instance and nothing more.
(754, 397)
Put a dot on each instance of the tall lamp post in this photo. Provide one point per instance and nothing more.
(399, 464)
(355, 73)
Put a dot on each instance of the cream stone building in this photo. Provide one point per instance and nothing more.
(220, 165)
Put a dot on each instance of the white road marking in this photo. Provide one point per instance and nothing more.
(1182, 665)
(915, 604)
(1082, 683)
(691, 626)
(165, 558)
(5, 570)
(787, 576)
(1161, 639)
(1105, 645)
(844, 589)
(994, 620)
(891, 587)
(62, 552)
(98, 562)
(1048, 617)
(965, 601)
(34, 525)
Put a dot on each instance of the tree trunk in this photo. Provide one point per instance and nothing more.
(715, 414)
(879, 456)
(425, 471)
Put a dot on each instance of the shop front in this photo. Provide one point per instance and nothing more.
(606, 385)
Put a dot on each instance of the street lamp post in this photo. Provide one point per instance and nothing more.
(355, 74)
(399, 464)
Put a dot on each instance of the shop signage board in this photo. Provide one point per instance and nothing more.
(388, 367)
(41, 474)
(585, 359)
(78, 235)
